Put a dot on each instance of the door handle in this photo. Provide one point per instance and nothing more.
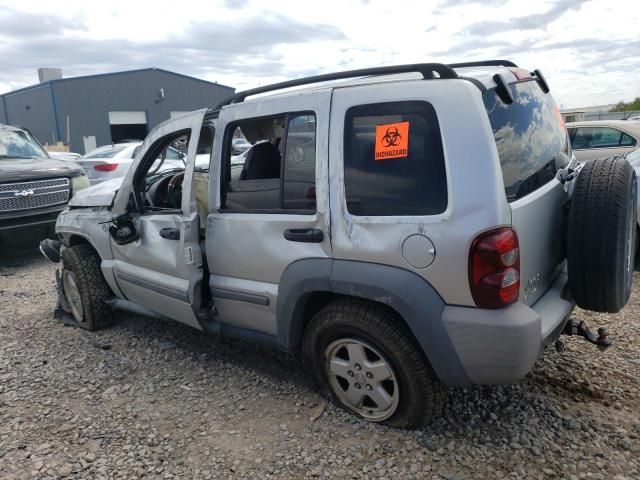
(307, 235)
(170, 233)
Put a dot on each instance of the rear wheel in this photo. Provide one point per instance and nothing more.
(601, 238)
(363, 359)
(85, 289)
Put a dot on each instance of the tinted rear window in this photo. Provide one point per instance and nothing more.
(393, 160)
(530, 136)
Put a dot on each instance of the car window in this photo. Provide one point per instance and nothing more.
(393, 160)
(530, 137)
(627, 141)
(278, 171)
(105, 152)
(596, 137)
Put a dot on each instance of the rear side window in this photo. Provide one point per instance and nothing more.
(393, 160)
(627, 141)
(599, 137)
(530, 136)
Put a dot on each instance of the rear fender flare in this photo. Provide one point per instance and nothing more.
(412, 297)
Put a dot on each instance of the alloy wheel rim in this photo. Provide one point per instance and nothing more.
(362, 378)
(72, 294)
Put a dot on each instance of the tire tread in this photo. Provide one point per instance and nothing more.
(84, 262)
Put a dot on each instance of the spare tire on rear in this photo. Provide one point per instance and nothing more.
(602, 235)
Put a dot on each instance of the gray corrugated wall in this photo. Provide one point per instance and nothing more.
(39, 117)
(3, 115)
(88, 101)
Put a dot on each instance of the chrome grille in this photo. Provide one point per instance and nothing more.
(17, 187)
(37, 194)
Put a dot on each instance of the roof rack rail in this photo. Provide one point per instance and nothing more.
(484, 63)
(426, 69)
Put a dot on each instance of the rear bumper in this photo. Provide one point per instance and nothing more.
(500, 346)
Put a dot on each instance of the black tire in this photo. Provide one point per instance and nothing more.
(84, 262)
(601, 238)
(421, 395)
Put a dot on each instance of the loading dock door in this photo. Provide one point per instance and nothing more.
(128, 125)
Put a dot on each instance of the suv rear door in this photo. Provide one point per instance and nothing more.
(532, 145)
(264, 217)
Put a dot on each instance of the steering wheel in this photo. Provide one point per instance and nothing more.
(174, 190)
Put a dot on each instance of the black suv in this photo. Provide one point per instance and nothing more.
(33, 187)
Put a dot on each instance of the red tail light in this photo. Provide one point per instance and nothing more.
(106, 167)
(494, 268)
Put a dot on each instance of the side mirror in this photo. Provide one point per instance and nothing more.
(123, 230)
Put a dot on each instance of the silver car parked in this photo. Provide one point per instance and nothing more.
(403, 228)
(603, 138)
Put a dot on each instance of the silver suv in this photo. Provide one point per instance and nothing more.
(403, 227)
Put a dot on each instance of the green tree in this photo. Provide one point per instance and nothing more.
(625, 107)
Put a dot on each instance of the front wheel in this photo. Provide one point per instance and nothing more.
(360, 356)
(85, 289)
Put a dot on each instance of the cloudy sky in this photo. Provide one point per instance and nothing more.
(589, 50)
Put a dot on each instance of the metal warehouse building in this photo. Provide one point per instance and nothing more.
(100, 109)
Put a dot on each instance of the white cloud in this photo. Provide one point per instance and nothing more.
(588, 50)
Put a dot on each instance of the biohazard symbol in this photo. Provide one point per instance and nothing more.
(392, 141)
(391, 138)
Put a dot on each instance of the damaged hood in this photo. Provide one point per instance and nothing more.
(100, 195)
(23, 169)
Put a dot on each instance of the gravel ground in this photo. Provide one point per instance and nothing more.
(155, 399)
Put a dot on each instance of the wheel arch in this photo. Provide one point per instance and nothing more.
(72, 239)
(307, 285)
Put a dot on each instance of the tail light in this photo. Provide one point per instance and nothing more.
(106, 167)
(494, 268)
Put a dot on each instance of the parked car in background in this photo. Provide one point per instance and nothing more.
(69, 156)
(108, 162)
(34, 188)
(603, 138)
(113, 161)
(239, 146)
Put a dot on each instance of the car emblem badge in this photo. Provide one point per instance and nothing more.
(23, 193)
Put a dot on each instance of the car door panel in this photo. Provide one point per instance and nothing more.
(253, 251)
(161, 273)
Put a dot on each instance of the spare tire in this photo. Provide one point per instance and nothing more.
(601, 236)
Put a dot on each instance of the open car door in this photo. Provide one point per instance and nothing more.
(155, 236)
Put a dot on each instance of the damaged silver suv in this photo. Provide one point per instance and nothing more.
(403, 227)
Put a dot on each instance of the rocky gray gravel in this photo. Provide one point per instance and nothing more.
(155, 399)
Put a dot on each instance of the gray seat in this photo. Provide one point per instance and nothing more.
(263, 161)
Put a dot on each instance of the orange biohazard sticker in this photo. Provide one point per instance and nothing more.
(392, 141)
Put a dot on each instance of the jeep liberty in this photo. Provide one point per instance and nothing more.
(404, 228)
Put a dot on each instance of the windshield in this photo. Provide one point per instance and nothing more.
(530, 136)
(19, 144)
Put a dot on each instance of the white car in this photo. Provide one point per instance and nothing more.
(108, 162)
(603, 138)
(239, 146)
(113, 161)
